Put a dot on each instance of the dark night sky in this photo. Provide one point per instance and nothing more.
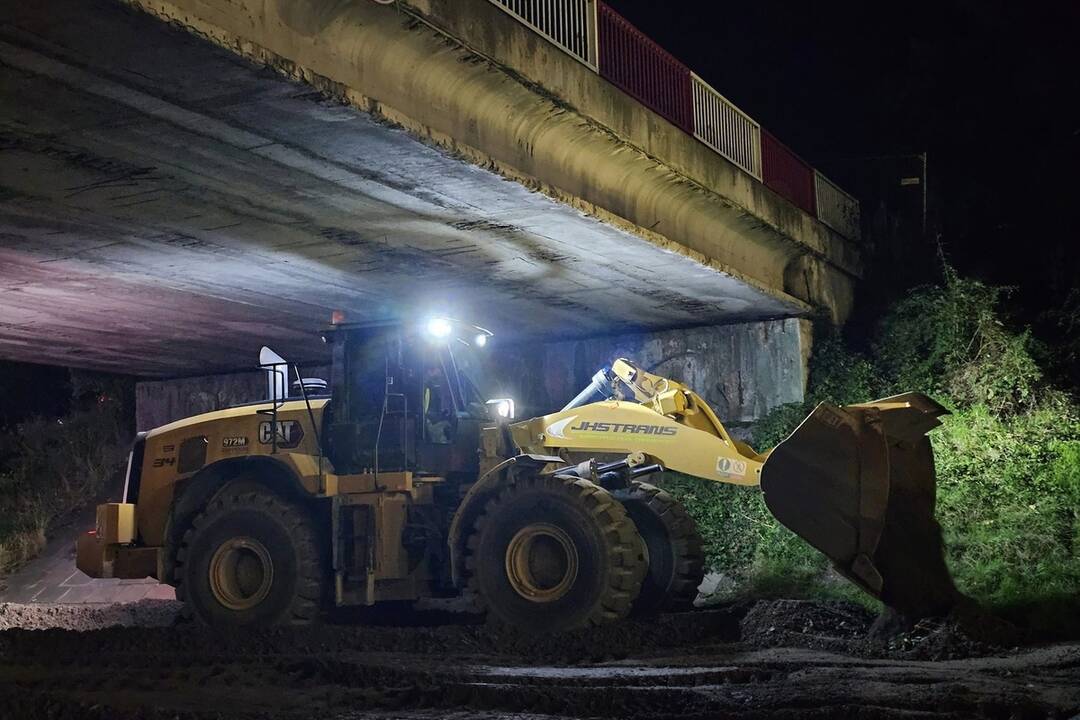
(988, 88)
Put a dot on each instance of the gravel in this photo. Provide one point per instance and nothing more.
(83, 618)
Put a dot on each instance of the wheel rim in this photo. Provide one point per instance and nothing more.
(541, 562)
(241, 573)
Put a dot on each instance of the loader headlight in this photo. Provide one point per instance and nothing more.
(439, 328)
(480, 340)
(501, 408)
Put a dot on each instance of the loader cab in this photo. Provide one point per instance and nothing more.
(404, 397)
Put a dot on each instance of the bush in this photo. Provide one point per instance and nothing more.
(1008, 498)
(50, 468)
(950, 341)
(1008, 457)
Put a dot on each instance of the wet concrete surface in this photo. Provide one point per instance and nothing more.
(51, 577)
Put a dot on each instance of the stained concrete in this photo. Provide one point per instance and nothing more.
(743, 371)
(167, 206)
(159, 402)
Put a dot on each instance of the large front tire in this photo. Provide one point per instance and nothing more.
(554, 553)
(250, 558)
(675, 550)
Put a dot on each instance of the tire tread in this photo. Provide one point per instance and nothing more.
(307, 599)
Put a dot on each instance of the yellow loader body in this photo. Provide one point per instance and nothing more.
(856, 482)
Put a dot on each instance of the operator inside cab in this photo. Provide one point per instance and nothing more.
(438, 404)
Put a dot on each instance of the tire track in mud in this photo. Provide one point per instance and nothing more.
(687, 666)
(727, 682)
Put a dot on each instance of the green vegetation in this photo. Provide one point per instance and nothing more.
(1008, 457)
(52, 467)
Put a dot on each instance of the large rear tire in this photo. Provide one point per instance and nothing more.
(675, 549)
(554, 553)
(250, 558)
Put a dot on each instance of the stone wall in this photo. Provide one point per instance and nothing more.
(743, 371)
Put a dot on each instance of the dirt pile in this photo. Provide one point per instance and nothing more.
(939, 639)
(834, 626)
(851, 629)
(969, 631)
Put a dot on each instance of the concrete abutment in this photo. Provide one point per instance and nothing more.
(743, 371)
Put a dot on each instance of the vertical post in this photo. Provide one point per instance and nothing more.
(594, 32)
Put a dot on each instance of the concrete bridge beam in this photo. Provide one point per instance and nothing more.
(505, 100)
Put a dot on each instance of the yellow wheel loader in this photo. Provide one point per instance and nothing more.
(401, 481)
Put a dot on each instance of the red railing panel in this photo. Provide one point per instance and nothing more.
(643, 69)
(787, 173)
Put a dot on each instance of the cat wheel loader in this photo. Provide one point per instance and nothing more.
(402, 481)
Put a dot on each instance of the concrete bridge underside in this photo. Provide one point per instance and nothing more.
(167, 205)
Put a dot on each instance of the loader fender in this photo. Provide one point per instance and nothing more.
(473, 503)
(193, 494)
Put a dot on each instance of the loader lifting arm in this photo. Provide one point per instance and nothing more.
(638, 411)
(856, 482)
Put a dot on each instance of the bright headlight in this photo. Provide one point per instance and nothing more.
(501, 408)
(439, 327)
(480, 340)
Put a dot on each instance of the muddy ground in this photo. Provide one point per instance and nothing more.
(781, 659)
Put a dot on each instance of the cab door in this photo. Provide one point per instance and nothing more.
(450, 431)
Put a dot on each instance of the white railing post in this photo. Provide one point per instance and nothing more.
(569, 24)
(593, 16)
(836, 208)
(725, 128)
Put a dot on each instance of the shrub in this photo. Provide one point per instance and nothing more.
(951, 341)
(1008, 457)
(1008, 498)
(50, 468)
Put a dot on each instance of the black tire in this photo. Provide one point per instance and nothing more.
(676, 559)
(250, 526)
(604, 549)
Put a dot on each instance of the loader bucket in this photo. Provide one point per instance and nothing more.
(857, 482)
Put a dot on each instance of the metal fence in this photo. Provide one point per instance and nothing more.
(725, 128)
(609, 44)
(836, 208)
(570, 24)
(787, 173)
(632, 61)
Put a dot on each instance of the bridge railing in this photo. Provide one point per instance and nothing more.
(787, 173)
(725, 128)
(609, 44)
(569, 24)
(648, 72)
(836, 208)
